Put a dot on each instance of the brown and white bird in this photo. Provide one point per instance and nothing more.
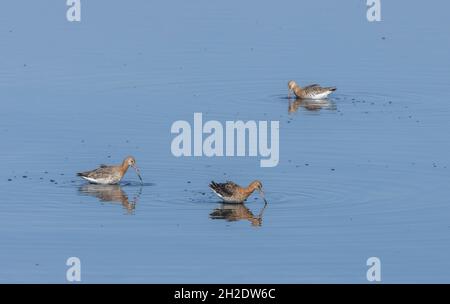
(313, 91)
(110, 175)
(233, 193)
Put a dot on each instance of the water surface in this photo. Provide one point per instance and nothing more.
(364, 174)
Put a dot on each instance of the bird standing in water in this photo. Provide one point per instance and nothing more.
(313, 91)
(110, 175)
(233, 193)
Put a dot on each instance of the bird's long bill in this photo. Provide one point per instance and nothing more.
(263, 196)
(138, 174)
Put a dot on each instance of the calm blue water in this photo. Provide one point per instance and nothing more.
(365, 175)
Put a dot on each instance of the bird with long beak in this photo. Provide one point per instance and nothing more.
(230, 192)
(313, 91)
(110, 175)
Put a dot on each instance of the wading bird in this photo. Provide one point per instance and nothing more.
(313, 91)
(110, 175)
(233, 193)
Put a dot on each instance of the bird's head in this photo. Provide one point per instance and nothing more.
(291, 85)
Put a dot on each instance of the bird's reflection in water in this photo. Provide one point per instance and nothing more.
(237, 212)
(112, 194)
(311, 105)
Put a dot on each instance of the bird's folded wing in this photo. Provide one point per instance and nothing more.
(311, 86)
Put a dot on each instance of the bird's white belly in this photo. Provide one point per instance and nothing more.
(319, 96)
(217, 193)
(102, 181)
(225, 199)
